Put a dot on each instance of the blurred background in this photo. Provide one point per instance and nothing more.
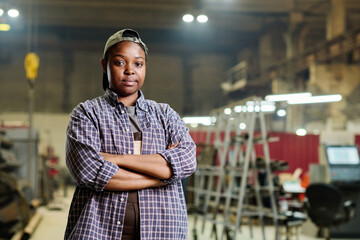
(206, 57)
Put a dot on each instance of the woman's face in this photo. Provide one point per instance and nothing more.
(125, 69)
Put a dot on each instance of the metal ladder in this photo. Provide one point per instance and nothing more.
(215, 188)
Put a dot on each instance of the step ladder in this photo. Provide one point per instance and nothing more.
(222, 190)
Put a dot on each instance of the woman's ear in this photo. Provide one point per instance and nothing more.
(103, 64)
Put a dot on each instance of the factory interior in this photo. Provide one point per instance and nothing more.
(269, 91)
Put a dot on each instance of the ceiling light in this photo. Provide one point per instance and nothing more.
(287, 97)
(13, 12)
(198, 120)
(242, 126)
(202, 18)
(188, 18)
(227, 111)
(1, 12)
(256, 108)
(237, 109)
(268, 108)
(4, 27)
(301, 132)
(317, 99)
(265, 106)
(281, 113)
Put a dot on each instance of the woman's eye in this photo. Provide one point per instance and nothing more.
(139, 64)
(119, 63)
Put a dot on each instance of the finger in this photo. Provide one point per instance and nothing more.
(173, 146)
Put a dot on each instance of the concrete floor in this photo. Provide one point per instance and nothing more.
(54, 217)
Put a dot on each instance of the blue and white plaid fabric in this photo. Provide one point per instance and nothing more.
(102, 125)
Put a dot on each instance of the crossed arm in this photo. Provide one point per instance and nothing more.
(138, 171)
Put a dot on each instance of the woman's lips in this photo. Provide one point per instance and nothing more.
(129, 83)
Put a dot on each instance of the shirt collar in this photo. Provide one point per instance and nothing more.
(141, 103)
(112, 97)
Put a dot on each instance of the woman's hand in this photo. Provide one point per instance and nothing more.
(173, 146)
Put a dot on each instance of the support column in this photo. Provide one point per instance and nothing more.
(68, 61)
(188, 67)
(291, 35)
(266, 52)
(336, 19)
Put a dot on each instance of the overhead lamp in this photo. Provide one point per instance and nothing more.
(242, 126)
(1, 12)
(227, 111)
(188, 18)
(301, 132)
(287, 97)
(265, 106)
(317, 99)
(13, 13)
(4, 27)
(281, 112)
(198, 120)
(238, 109)
(202, 18)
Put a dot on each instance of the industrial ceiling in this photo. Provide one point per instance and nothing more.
(231, 25)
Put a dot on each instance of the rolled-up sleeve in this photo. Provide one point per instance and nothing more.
(182, 158)
(83, 158)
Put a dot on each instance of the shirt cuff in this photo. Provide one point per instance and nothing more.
(106, 172)
(167, 155)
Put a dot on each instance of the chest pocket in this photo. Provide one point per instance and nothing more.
(155, 137)
(159, 139)
(113, 132)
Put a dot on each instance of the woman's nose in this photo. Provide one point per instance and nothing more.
(129, 70)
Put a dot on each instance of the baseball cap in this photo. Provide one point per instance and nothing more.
(126, 34)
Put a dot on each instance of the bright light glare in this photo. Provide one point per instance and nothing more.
(1, 12)
(227, 111)
(281, 113)
(242, 126)
(202, 18)
(4, 27)
(266, 106)
(188, 18)
(287, 97)
(198, 120)
(301, 132)
(13, 13)
(317, 99)
(237, 109)
(213, 119)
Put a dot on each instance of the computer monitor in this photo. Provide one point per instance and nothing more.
(343, 155)
(344, 163)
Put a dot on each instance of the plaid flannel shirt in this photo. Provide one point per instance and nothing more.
(102, 125)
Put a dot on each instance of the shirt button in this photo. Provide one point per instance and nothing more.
(122, 111)
(121, 199)
(127, 130)
(118, 222)
(129, 152)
